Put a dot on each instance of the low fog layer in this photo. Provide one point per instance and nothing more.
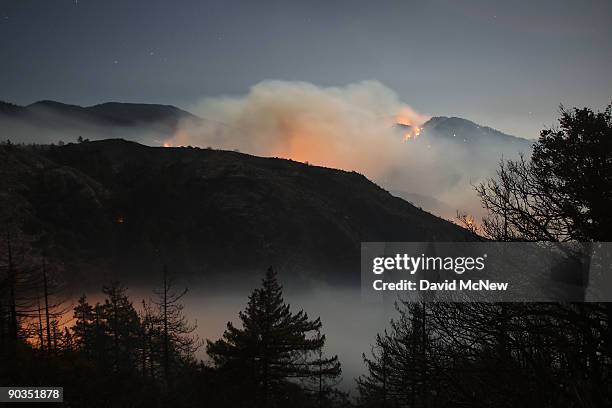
(349, 323)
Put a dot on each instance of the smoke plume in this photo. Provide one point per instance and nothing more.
(351, 127)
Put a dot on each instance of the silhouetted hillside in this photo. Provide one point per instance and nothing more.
(119, 207)
(49, 121)
(135, 113)
(441, 165)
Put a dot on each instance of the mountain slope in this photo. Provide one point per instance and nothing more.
(449, 157)
(49, 121)
(464, 131)
(109, 113)
(441, 165)
(135, 113)
(119, 208)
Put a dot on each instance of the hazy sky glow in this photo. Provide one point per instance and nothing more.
(504, 64)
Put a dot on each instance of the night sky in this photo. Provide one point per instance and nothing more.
(506, 64)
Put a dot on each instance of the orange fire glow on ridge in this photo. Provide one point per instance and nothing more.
(330, 136)
(412, 131)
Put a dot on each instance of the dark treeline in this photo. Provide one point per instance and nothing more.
(491, 355)
(114, 354)
(432, 354)
(509, 355)
(120, 353)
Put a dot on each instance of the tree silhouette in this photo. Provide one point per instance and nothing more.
(178, 344)
(490, 355)
(574, 166)
(122, 325)
(563, 193)
(326, 375)
(30, 290)
(398, 370)
(273, 346)
(560, 195)
(84, 326)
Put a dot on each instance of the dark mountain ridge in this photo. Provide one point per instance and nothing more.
(118, 208)
(51, 115)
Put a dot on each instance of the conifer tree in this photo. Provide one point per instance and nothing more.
(83, 330)
(374, 385)
(122, 324)
(326, 375)
(397, 371)
(273, 346)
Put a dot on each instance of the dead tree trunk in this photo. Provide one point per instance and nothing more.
(40, 328)
(165, 318)
(12, 281)
(46, 294)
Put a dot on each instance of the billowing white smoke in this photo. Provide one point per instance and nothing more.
(351, 127)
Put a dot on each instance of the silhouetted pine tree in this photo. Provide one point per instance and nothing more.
(83, 329)
(487, 354)
(273, 346)
(374, 386)
(399, 368)
(122, 325)
(326, 375)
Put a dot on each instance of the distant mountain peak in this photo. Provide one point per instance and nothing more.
(54, 115)
(52, 104)
(455, 127)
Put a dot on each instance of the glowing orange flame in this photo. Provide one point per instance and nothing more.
(413, 133)
(405, 118)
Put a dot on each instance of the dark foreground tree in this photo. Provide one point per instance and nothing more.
(326, 375)
(122, 326)
(399, 370)
(488, 355)
(20, 283)
(30, 289)
(273, 347)
(171, 327)
(561, 194)
(564, 193)
(83, 329)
